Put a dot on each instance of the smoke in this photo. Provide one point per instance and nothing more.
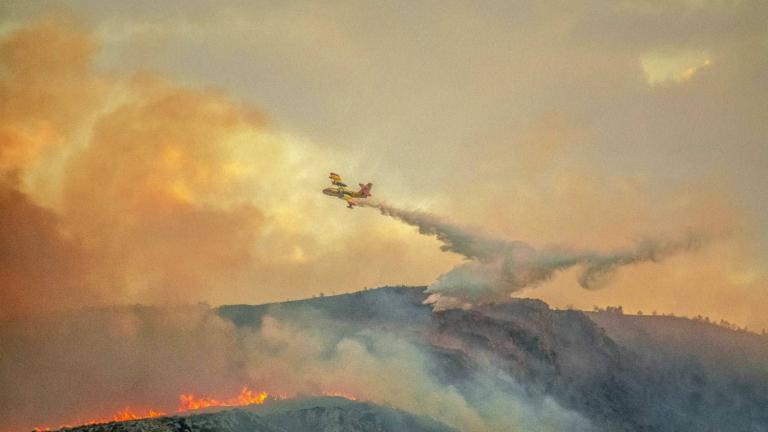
(125, 189)
(497, 268)
(40, 265)
(116, 188)
(121, 188)
(46, 89)
(67, 367)
(309, 353)
(598, 267)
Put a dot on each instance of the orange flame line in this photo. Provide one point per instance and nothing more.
(190, 402)
(187, 402)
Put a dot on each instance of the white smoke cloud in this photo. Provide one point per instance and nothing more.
(498, 268)
(307, 353)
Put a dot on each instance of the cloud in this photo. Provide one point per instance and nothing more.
(46, 90)
(144, 183)
(72, 366)
(41, 266)
(169, 193)
(660, 68)
(154, 191)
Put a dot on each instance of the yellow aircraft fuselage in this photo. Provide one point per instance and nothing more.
(339, 190)
(336, 191)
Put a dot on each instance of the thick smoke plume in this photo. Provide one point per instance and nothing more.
(129, 187)
(498, 268)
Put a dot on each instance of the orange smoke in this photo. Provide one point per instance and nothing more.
(120, 188)
(45, 91)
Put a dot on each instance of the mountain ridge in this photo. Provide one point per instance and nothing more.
(320, 414)
(596, 371)
(586, 362)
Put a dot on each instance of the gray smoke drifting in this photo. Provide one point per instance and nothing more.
(142, 357)
(497, 268)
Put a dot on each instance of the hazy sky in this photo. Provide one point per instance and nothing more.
(192, 139)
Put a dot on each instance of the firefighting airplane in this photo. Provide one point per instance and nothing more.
(339, 190)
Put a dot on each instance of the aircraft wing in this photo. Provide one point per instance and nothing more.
(336, 180)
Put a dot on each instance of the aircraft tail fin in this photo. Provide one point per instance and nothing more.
(365, 190)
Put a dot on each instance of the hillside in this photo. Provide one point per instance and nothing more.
(304, 415)
(517, 364)
(620, 373)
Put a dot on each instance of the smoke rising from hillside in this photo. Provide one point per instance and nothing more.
(145, 357)
(498, 268)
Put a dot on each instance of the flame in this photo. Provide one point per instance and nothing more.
(190, 402)
(127, 414)
(187, 402)
(122, 415)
